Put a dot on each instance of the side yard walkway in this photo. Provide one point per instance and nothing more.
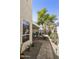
(42, 49)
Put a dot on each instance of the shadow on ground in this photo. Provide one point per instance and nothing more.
(34, 50)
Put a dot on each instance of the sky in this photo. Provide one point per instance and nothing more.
(51, 5)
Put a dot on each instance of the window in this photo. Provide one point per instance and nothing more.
(26, 30)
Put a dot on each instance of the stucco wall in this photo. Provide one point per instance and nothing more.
(26, 9)
(26, 14)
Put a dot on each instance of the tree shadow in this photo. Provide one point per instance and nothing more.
(33, 51)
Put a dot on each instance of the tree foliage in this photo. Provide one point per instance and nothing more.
(41, 16)
(44, 17)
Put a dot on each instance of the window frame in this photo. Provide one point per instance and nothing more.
(25, 36)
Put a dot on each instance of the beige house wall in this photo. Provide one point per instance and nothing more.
(26, 14)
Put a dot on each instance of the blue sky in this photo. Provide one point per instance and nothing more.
(51, 5)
